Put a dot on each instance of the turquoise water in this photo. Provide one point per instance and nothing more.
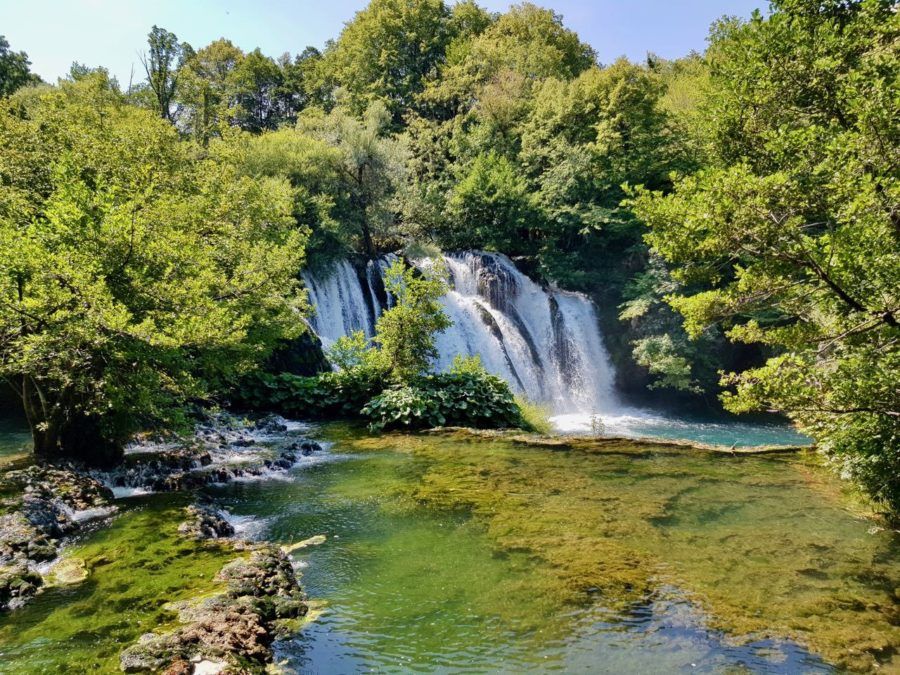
(647, 424)
(14, 436)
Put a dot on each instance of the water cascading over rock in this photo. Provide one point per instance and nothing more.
(545, 342)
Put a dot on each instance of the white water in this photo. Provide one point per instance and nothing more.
(544, 342)
(340, 303)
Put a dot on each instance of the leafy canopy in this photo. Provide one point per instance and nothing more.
(134, 272)
(790, 239)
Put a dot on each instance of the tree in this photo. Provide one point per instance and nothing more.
(207, 88)
(370, 164)
(14, 71)
(792, 239)
(256, 81)
(527, 43)
(162, 66)
(385, 53)
(405, 333)
(134, 275)
(320, 198)
(490, 207)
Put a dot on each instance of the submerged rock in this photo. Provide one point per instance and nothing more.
(236, 627)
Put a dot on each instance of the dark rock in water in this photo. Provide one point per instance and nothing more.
(66, 485)
(205, 522)
(17, 584)
(47, 516)
(201, 462)
(21, 542)
(271, 424)
(237, 626)
(309, 447)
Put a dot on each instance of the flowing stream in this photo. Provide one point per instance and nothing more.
(546, 343)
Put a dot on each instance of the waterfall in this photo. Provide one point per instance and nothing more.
(340, 304)
(544, 342)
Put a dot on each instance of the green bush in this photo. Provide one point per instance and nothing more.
(335, 394)
(472, 399)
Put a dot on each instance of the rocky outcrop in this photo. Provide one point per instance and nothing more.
(221, 449)
(46, 510)
(236, 627)
(205, 522)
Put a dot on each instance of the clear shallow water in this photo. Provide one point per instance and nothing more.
(455, 555)
(447, 553)
(636, 423)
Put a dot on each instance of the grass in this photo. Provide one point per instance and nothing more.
(536, 416)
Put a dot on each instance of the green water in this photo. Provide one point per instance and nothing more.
(449, 554)
(454, 554)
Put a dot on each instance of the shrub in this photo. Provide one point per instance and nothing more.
(535, 417)
(474, 399)
(335, 394)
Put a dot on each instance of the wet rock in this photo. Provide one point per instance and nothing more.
(21, 542)
(211, 456)
(65, 485)
(17, 584)
(238, 625)
(47, 516)
(44, 513)
(205, 522)
(271, 424)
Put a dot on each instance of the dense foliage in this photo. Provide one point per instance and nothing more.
(135, 273)
(766, 170)
(791, 237)
(470, 399)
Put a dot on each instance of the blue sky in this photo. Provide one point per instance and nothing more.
(112, 32)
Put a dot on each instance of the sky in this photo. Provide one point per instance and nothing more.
(112, 33)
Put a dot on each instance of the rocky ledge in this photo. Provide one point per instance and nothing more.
(221, 449)
(232, 631)
(205, 522)
(50, 503)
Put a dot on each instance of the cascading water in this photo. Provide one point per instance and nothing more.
(545, 342)
(340, 302)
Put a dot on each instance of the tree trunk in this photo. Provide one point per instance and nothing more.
(371, 253)
(44, 426)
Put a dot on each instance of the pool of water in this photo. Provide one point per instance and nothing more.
(453, 554)
(448, 553)
(639, 423)
(15, 438)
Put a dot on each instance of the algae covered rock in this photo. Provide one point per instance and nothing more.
(17, 584)
(237, 626)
